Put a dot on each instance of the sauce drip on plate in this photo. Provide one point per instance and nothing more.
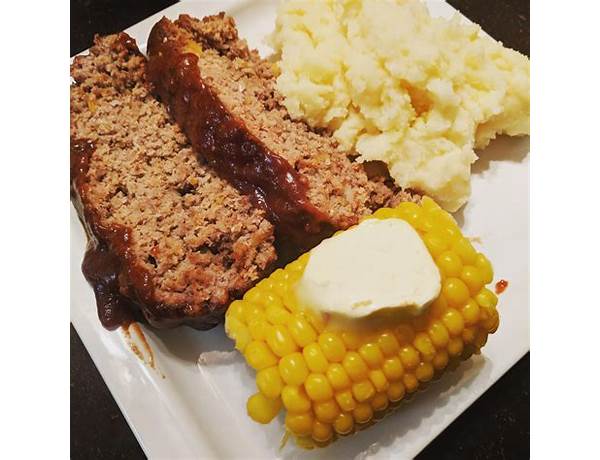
(501, 286)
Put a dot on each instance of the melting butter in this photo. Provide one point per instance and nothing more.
(377, 265)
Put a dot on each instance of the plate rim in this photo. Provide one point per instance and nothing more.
(94, 337)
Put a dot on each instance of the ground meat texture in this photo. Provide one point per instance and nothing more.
(186, 242)
(223, 95)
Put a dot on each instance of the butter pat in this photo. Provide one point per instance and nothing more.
(377, 265)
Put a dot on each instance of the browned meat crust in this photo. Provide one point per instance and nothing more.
(166, 234)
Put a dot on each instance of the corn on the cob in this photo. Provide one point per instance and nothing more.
(332, 382)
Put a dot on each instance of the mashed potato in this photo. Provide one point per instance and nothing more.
(397, 85)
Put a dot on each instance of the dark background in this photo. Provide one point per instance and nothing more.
(496, 426)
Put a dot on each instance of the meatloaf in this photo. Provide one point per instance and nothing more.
(167, 235)
(223, 96)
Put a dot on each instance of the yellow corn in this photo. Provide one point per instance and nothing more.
(334, 382)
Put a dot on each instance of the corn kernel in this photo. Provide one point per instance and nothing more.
(265, 285)
(301, 330)
(355, 366)
(396, 391)
(393, 369)
(407, 207)
(372, 355)
(351, 339)
(238, 331)
(253, 312)
(277, 315)
(258, 329)
(363, 391)
(326, 411)
(469, 333)
(318, 388)
(277, 275)
(300, 424)
(259, 355)
(464, 249)
(269, 382)
(388, 344)
(321, 432)
(236, 310)
(425, 346)
(440, 360)
(344, 423)
(303, 259)
(439, 334)
(486, 298)
(484, 265)
(411, 213)
(443, 218)
(295, 267)
(424, 372)
(345, 400)
(315, 359)
(337, 376)
(281, 287)
(449, 264)
(272, 300)
(363, 413)
(316, 320)
(480, 338)
(378, 379)
(470, 312)
(280, 340)
(295, 399)
(436, 244)
(410, 382)
(455, 346)
(255, 295)
(427, 223)
(453, 321)
(449, 228)
(290, 301)
(333, 347)
(380, 402)
(472, 277)
(429, 204)
(262, 409)
(455, 291)
(492, 321)
(409, 357)
(385, 213)
(293, 369)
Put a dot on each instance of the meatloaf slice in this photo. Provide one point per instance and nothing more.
(223, 96)
(166, 233)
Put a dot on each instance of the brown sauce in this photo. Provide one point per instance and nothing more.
(501, 286)
(123, 289)
(129, 43)
(101, 266)
(224, 141)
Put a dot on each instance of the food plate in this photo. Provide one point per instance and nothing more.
(178, 408)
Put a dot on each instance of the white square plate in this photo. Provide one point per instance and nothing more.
(182, 410)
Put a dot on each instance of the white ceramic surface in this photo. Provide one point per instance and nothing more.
(184, 410)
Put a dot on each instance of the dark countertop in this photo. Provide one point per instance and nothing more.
(496, 426)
